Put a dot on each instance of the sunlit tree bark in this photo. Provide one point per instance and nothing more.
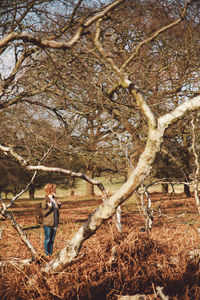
(120, 78)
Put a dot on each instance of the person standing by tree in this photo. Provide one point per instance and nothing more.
(50, 211)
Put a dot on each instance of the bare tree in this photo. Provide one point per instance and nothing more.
(96, 27)
(196, 168)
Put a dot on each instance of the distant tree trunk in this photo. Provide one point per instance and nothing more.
(21, 233)
(31, 191)
(117, 219)
(165, 188)
(125, 177)
(197, 166)
(90, 187)
(72, 186)
(15, 191)
(187, 190)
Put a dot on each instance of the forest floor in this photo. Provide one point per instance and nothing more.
(141, 263)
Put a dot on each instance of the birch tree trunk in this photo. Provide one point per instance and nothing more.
(72, 186)
(137, 176)
(196, 173)
(89, 187)
(22, 234)
(155, 132)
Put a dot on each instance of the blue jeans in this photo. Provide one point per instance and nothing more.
(50, 233)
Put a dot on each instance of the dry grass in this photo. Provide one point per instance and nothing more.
(141, 261)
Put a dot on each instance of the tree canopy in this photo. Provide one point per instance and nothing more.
(97, 83)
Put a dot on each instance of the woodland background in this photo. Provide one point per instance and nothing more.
(143, 261)
(106, 92)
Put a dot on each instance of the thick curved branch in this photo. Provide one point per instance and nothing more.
(13, 101)
(69, 173)
(21, 232)
(52, 43)
(123, 77)
(144, 107)
(10, 150)
(18, 21)
(70, 20)
(155, 34)
(124, 81)
(196, 161)
(109, 207)
(25, 164)
(15, 225)
(178, 112)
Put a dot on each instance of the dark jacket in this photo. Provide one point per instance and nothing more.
(49, 213)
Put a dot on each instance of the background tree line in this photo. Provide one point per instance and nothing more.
(57, 99)
(98, 87)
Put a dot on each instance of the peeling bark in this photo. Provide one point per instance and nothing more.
(196, 181)
(15, 225)
(156, 131)
(44, 43)
(21, 233)
(137, 176)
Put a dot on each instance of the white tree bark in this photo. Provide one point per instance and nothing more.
(21, 233)
(52, 43)
(154, 140)
(15, 225)
(147, 212)
(117, 220)
(137, 176)
(196, 174)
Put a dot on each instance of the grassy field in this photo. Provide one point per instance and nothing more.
(142, 260)
(80, 188)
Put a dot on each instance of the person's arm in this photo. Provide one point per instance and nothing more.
(58, 202)
(46, 207)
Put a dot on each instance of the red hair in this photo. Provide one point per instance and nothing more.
(50, 188)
